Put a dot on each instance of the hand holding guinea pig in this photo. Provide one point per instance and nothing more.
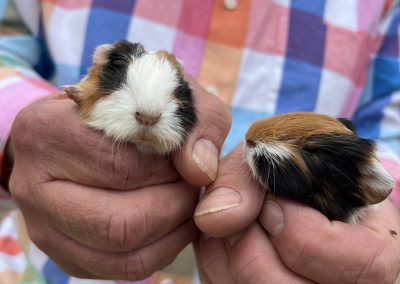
(253, 238)
(319, 161)
(136, 96)
(105, 211)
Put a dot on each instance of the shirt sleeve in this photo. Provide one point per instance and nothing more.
(378, 114)
(24, 64)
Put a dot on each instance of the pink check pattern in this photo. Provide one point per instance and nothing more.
(338, 57)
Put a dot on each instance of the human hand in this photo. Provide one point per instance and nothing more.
(101, 210)
(332, 251)
(251, 247)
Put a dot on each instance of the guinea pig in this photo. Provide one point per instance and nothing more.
(318, 161)
(136, 96)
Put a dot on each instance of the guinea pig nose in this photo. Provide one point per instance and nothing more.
(250, 143)
(146, 119)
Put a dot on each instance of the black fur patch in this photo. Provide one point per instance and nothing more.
(186, 109)
(114, 71)
(348, 123)
(333, 163)
(283, 178)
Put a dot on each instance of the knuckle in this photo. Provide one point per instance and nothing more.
(21, 189)
(16, 187)
(28, 127)
(37, 237)
(126, 231)
(20, 129)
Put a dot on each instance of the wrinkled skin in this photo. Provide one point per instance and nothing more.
(103, 210)
(247, 245)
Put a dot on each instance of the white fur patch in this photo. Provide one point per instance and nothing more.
(377, 178)
(358, 215)
(277, 153)
(151, 81)
(100, 54)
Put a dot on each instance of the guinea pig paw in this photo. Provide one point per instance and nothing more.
(72, 91)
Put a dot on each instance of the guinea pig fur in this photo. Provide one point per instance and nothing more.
(136, 96)
(319, 161)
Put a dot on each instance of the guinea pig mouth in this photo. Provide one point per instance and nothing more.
(145, 135)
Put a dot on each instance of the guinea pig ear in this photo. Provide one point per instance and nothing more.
(348, 123)
(100, 55)
(138, 49)
(128, 49)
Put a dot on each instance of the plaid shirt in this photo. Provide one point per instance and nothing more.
(265, 57)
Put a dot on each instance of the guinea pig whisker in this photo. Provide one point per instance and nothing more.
(119, 145)
(274, 164)
(115, 144)
(245, 168)
(187, 120)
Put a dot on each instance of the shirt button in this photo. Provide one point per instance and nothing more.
(213, 90)
(231, 4)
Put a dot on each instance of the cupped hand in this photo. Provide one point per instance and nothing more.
(332, 251)
(253, 238)
(103, 210)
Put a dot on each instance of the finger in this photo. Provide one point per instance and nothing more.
(335, 252)
(254, 260)
(109, 220)
(198, 160)
(131, 265)
(213, 261)
(64, 148)
(69, 267)
(232, 202)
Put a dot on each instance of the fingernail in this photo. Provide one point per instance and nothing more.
(272, 218)
(205, 155)
(218, 200)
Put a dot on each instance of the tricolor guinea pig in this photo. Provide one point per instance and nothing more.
(136, 96)
(319, 161)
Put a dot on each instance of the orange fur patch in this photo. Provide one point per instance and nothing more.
(294, 127)
(91, 91)
(172, 59)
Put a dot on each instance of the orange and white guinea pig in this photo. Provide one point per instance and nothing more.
(319, 161)
(136, 96)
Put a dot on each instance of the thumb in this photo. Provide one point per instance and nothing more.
(232, 202)
(197, 161)
(332, 251)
